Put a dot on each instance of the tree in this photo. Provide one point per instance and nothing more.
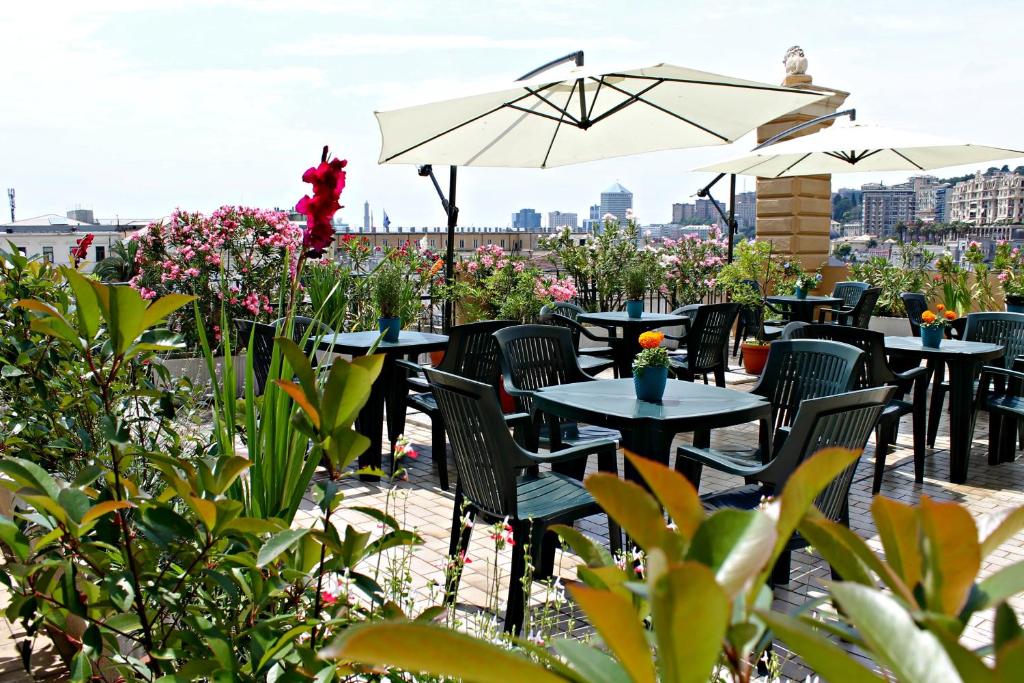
(120, 265)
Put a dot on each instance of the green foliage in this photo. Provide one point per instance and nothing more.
(907, 273)
(119, 265)
(331, 288)
(390, 289)
(692, 611)
(953, 285)
(757, 261)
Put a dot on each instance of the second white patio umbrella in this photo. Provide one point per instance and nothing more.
(856, 148)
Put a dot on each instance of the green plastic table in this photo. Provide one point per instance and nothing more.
(648, 428)
(802, 310)
(632, 328)
(390, 388)
(964, 360)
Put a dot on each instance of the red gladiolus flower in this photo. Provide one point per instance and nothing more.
(328, 598)
(81, 248)
(328, 180)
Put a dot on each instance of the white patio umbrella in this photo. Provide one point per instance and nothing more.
(572, 115)
(855, 148)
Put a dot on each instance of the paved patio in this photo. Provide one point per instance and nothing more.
(420, 504)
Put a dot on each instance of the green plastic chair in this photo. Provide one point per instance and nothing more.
(703, 347)
(842, 421)
(857, 314)
(498, 481)
(594, 359)
(876, 372)
(796, 371)
(262, 337)
(472, 353)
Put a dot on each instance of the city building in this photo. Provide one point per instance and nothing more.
(886, 207)
(943, 203)
(746, 211)
(682, 213)
(558, 220)
(704, 211)
(988, 198)
(526, 219)
(616, 200)
(595, 212)
(924, 196)
(52, 236)
(367, 222)
(467, 239)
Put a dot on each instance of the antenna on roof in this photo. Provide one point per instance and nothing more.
(10, 196)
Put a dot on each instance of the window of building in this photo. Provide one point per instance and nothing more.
(503, 244)
(462, 244)
(101, 253)
(22, 250)
(475, 243)
(48, 254)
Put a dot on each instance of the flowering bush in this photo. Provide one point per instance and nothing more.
(234, 257)
(1009, 264)
(906, 274)
(652, 355)
(690, 266)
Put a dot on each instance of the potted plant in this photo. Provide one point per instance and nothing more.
(650, 368)
(389, 287)
(1009, 264)
(806, 282)
(905, 273)
(934, 324)
(635, 284)
(689, 266)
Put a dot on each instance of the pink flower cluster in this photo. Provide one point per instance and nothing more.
(559, 290)
(691, 264)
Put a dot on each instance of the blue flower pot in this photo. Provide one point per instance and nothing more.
(931, 336)
(1015, 304)
(635, 308)
(800, 293)
(649, 383)
(390, 327)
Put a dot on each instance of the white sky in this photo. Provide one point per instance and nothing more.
(133, 107)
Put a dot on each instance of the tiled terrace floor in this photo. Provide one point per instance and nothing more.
(421, 504)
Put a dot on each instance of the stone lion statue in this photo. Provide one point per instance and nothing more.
(795, 61)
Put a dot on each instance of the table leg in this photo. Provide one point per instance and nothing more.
(396, 391)
(369, 423)
(625, 352)
(961, 417)
(649, 443)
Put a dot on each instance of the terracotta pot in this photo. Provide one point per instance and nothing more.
(508, 404)
(436, 357)
(754, 357)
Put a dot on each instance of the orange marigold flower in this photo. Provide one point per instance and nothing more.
(950, 315)
(927, 317)
(651, 340)
(940, 307)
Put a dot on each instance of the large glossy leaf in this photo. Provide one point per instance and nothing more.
(593, 554)
(426, 648)
(1006, 628)
(970, 665)
(998, 528)
(87, 310)
(100, 509)
(634, 510)
(297, 395)
(900, 532)
(1010, 662)
(674, 491)
(952, 553)
(617, 622)
(736, 545)
(123, 313)
(1002, 585)
(821, 654)
(161, 308)
(913, 655)
(277, 544)
(691, 613)
(592, 664)
(301, 368)
(14, 539)
(27, 473)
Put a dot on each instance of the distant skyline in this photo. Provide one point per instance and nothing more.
(132, 108)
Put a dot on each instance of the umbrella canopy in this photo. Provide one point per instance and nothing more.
(569, 116)
(856, 148)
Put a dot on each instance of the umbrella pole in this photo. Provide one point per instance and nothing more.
(732, 214)
(449, 260)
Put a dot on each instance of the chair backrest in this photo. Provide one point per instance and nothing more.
(473, 351)
(485, 453)
(564, 315)
(915, 304)
(566, 309)
(803, 369)
(262, 348)
(865, 307)
(849, 292)
(842, 421)
(537, 356)
(874, 369)
(708, 334)
(998, 328)
(300, 325)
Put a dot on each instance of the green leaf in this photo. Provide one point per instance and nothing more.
(100, 509)
(11, 371)
(74, 502)
(165, 526)
(913, 655)
(1006, 627)
(836, 553)
(617, 622)
(277, 544)
(824, 657)
(952, 554)
(592, 664)
(1001, 586)
(87, 310)
(998, 528)
(690, 613)
(297, 395)
(635, 511)
(14, 539)
(593, 554)
(674, 491)
(899, 530)
(30, 475)
(301, 368)
(161, 308)
(252, 525)
(418, 647)
(736, 545)
(1010, 662)
(119, 589)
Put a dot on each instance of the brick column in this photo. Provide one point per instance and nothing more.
(795, 213)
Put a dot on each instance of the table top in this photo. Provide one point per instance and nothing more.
(361, 342)
(809, 299)
(685, 406)
(949, 348)
(622, 319)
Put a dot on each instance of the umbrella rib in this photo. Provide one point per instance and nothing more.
(593, 101)
(872, 153)
(897, 152)
(842, 156)
(455, 127)
(633, 99)
(786, 170)
(558, 127)
(670, 113)
(535, 113)
(554, 106)
(667, 79)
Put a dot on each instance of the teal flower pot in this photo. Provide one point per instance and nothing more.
(800, 293)
(635, 308)
(649, 384)
(931, 336)
(390, 327)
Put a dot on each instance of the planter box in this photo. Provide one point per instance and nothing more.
(890, 327)
(195, 369)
